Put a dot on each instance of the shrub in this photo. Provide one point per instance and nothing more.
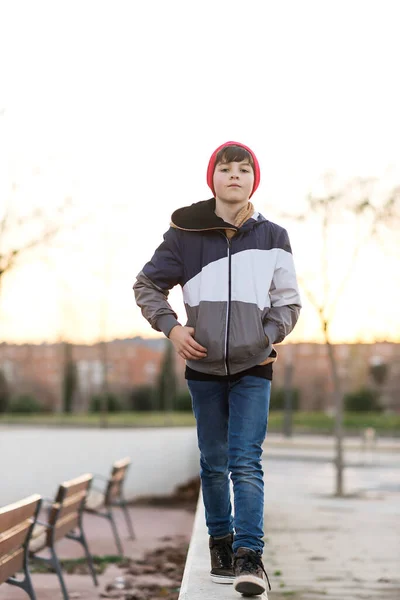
(4, 393)
(167, 381)
(142, 398)
(25, 404)
(113, 403)
(277, 401)
(363, 400)
(70, 384)
(183, 401)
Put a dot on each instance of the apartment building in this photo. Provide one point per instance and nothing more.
(122, 365)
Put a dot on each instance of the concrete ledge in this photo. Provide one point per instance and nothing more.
(196, 582)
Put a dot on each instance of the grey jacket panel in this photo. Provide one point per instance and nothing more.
(209, 322)
(247, 345)
(219, 368)
(153, 303)
(246, 336)
(285, 299)
(281, 321)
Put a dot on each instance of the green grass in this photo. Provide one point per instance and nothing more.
(303, 422)
(318, 422)
(122, 419)
(79, 565)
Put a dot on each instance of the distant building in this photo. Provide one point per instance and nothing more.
(38, 370)
(311, 371)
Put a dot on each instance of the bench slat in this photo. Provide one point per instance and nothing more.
(123, 463)
(14, 538)
(11, 564)
(119, 475)
(64, 526)
(113, 491)
(14, 514)
(72, 504)
(69, 488)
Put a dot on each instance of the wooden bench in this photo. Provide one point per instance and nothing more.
(16, 525)
(64, 518)
(101, 502)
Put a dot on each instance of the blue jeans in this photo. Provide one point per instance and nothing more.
(232, 422)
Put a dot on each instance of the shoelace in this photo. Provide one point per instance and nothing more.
(251, 562)
(223, 552)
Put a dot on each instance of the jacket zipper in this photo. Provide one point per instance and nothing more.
(228, 312)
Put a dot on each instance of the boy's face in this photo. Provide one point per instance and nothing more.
(234, 181)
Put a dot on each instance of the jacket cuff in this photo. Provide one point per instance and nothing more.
(271, 330)
(166, 323)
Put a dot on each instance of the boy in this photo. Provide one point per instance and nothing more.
(241, 296)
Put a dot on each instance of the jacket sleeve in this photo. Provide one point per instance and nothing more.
(284, 294)
(163, 272)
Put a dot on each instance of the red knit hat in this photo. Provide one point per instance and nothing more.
(211, 166)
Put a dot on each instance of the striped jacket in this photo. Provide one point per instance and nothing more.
(240, 294)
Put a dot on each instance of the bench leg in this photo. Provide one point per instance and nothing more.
(115, 532)
(25, 585)
(81, 538)
(28, 587)
(57, 567)
(89, 558)
(128, 520)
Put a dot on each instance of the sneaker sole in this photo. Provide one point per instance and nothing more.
(222, 579)
(249, 585)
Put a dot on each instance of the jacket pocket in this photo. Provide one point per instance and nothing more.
(210, 330)
(247, 337)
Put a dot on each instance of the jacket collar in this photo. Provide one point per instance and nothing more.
(201, 217)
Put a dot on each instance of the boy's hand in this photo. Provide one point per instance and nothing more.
(185, 344)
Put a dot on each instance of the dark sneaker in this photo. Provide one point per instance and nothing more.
(249, 573)
(222, 559)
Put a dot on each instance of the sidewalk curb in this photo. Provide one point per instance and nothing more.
(349, 443)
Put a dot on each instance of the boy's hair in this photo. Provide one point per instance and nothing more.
(233, 152)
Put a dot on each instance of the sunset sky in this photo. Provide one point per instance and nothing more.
(119, 104)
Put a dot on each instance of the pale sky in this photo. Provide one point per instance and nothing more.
(119, 105)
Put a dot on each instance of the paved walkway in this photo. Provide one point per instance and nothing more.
(151, 526)
(324, 548)
(319, 547)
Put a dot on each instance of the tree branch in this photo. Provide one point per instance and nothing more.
(8, 258)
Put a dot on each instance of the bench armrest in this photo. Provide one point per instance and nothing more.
(48, 500)
(37, 522)
(97, 476)
(96, 489)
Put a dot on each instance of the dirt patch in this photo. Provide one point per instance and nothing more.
(153, 564)
(157, 576)
(185, 496)
(79, 566)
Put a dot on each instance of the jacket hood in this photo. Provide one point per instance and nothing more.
(201, 216)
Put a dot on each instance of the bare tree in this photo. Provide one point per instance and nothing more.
(22, 233)
(27, 233)
(351, 215)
